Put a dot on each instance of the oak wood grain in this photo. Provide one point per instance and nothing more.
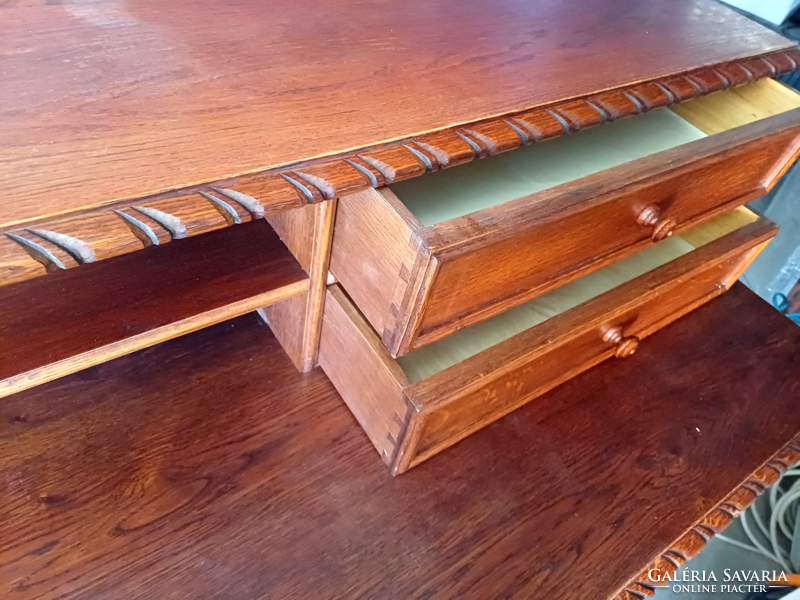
(308, 233)
(92, 120)
(459, 400)
(373, 254)
(369, 380)
(478, 265)
(178, 471)
(57, 325)
(287, 320)
(321, 244)
(716, 113)
(296, 230)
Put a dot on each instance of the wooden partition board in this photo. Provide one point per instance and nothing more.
(155, 111)
(177, 472)
(58, 325)
(297, 322)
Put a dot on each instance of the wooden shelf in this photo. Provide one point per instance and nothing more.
(207, 467)
(74, 319)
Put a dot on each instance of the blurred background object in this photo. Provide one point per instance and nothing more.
(772, 11)
(775, 273)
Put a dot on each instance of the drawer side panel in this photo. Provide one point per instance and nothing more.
(361, 370)
(372, 255)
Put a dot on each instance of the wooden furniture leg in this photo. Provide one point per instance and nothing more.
(297, 322)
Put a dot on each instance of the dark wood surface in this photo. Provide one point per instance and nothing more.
(207, 467)
(108, 101)
(56, 325)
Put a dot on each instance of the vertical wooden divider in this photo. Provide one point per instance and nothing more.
(320, 259)
(297, 322)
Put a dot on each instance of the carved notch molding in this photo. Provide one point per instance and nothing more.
(715, 521)
(64, 242)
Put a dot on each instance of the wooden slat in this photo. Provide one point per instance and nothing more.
(308, 233)
(72, 320)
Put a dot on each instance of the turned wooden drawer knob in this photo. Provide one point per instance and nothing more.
(662, 228)
(625, 345)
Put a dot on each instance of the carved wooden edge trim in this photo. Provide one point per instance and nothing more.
(715, 521)
(51, 244)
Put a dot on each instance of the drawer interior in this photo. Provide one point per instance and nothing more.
(462, 190)
(428, 360)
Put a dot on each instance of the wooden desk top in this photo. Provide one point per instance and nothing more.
(140, 478)
(111, 101)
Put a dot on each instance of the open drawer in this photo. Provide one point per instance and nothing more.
(432, 255)
(417, 405)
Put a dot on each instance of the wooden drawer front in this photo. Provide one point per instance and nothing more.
(409, 423)
(525, 250)
(417, 284)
